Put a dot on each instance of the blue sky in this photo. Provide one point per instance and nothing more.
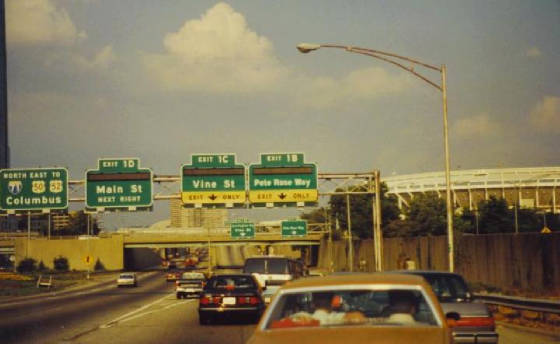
(161, 80)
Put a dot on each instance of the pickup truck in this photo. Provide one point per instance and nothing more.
(190, 283)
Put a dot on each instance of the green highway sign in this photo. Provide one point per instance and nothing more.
(119, 183)
(282, 178)
(282, 159)
(213, 179)
(294, 228)
(34, 189)
(242, 229)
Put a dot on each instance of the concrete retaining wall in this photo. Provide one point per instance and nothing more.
(508, 261)
(109, 251)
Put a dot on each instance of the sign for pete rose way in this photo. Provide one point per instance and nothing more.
(283, 178)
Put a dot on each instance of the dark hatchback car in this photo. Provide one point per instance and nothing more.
(476, 324)
(229, 295)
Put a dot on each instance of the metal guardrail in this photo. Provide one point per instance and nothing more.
(535, 305)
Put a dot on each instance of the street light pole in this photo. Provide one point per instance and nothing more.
(396, 60)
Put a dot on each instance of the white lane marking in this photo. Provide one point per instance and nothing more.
(157, 310)
(114, 321)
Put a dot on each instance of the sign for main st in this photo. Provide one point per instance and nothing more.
(119, 183)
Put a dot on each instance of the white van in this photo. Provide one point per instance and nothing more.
(274, 270)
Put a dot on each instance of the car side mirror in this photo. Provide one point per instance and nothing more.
(452, 318)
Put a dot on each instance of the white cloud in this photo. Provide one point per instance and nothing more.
(534, 52)
(476, 127)
(217, 53)
(102, 59)
(362, 84)
(546, 114)
(39, 22)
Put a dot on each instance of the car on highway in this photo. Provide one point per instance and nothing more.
(172, 276)
(274, 270)
(190, 283)
(127, 279)
(356, 308)
(477, 323)
(230, 295)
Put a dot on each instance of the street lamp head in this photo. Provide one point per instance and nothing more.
(307, 47)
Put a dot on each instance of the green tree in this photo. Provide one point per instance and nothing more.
(315, 216)
(495, 217)
(61, 264)
(361, 211)
(427, 215)
(27, 265)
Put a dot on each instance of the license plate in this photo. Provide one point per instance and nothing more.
(228, 301)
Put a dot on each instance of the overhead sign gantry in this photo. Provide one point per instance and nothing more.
(119, 183)
(283, 179)
(213, 179)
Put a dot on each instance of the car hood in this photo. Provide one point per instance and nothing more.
(466, 309)
(356, 335)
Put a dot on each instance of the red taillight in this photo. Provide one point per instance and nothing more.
(254, 300)
(476, 322)
(204, 300)
(216, 299)
(248, 300)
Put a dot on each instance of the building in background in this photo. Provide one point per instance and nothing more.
(196, 217)
(4, 148)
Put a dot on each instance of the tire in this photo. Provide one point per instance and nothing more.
(179, 296)
(204, 319)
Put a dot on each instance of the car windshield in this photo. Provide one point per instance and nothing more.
(232, 282)
(278, 266)
(356, 307)
(266, 266)
(448, 287)
(254, 266)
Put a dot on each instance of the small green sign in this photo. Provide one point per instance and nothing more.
(119, 183)
(242, 229)
(281, 159)
(34, 189)
(213, 160)
(294, 228)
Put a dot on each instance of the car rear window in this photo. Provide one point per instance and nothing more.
(232, 282)
(448, 287)
(356, 307)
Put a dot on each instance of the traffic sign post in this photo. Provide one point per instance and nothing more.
(119, 183)
(213, 179)
(294, 228)
(34, 189)
(242, 229)
(283, 178)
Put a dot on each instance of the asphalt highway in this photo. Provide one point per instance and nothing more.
(149, 313)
